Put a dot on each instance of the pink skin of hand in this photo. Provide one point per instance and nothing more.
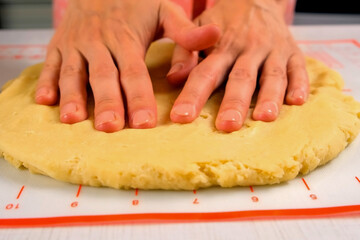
(103, 43)
(184, 61)
(255, 43)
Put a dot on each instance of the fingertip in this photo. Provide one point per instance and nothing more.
(178, 74)
(296, 97)
(213, 31)
(229, 121)
(183, 62)
(183, 113)
(176, 79)
(200, 38)
(110, 127)
(45, 96)
(175, 75)
(72, 113)
(176, 68)
(266, 112)
(109, 122)
(72, 118)
(45, 100)
(142, 119)
(228, 127)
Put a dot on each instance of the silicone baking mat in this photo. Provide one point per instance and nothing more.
(35, 200)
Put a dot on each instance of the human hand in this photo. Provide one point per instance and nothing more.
(104, 42)
(254, 37)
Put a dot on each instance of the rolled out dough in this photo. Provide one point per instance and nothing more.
(174, 156)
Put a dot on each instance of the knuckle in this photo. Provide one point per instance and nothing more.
(132, 72)
(242, 75)
(71, 70)
(276, 71)
(258, 39)
(106, 101)
(89, 40)
(228, 43)
(206, 75)
(51, 67)
(297, 61)
(127, 33)
(138, 99)
(261, 42)
(296, 67)
(50, 48)
(93, 20)
(236, 102)
(76, 97)
(53, 44)
(64, 44)
(192, 95)
(104, 72)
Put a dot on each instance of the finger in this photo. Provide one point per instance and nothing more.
(298, 89)
(72, 83)
(47, 86)
(179, 28)
(203, 80)
(105, 84)
(137, 86)
(238, 93)
(183, 61)
(273, 83)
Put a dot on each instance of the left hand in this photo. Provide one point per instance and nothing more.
(103, 43)
(255, 37)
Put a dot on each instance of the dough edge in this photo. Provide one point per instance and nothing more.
(202, 174)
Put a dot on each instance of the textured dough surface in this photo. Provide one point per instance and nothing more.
(173, 156)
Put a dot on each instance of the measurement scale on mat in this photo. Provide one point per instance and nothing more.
(28, 199)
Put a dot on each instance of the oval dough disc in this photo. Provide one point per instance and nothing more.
(174, 156)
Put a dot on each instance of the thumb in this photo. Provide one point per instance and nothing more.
(183, 61)
(184, 32)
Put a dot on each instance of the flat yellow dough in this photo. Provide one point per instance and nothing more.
(174, 156)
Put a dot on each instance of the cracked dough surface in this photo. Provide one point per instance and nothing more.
(173, 156)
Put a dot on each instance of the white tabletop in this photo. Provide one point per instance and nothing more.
(344, 227)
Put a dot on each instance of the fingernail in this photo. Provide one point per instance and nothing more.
(270, 108)
(230, 116)
(141, 117)
(42, 92)
(176, 68)
(298, 94)
(184, 110)
(105, 117)
(68, 109)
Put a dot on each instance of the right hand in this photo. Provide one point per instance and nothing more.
(256, 44)
(104, 42)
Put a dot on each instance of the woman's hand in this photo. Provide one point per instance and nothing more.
(104, 42)
(255, 37)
